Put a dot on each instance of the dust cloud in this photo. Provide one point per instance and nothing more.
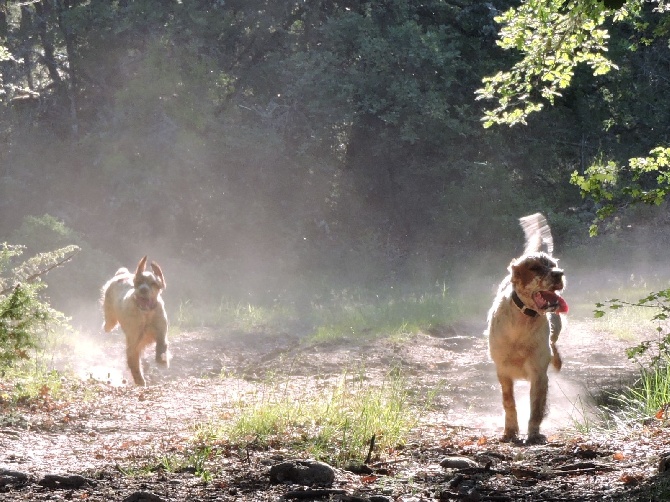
(594, 358)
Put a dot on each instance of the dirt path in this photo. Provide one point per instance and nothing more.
(112, 426)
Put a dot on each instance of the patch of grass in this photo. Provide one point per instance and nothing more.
(650, 394)
(235, 315)
(195, 462)
(334, 424)
(646, 398)
(35, 382)
(627, 324)
(595, 416)
(28, 383)
(337, 316)
(396, 316)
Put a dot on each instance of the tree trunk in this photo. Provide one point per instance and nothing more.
(71, 58)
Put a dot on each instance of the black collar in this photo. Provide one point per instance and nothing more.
(522, 307)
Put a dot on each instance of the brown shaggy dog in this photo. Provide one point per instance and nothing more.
(134, 301)
(524, 324)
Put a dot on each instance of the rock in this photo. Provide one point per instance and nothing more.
(143, 497)
(358, 468)
(65, 482)
(19, 476)
(379, 498)
(664, 463)
(458, 463)
(302, 472)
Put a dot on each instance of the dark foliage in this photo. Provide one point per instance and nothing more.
(267, 141)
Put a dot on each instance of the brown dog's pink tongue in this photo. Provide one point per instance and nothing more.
(562, 306)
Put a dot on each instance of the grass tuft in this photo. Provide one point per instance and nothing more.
(648, 398)
(334, 424)
(334, 316)
(650, 395)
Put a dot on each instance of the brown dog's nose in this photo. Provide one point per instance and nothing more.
(557, 274)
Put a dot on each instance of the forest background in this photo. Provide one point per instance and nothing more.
(280, 153)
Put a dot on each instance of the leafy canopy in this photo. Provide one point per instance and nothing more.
(553, 37)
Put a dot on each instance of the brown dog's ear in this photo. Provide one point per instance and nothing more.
(158, 272)
(140, 266)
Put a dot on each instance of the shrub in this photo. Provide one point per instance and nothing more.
(23, 315)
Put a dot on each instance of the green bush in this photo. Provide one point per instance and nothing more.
(24, 317)
(21, 314)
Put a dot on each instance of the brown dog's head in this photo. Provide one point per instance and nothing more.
(537, 280)
(148, 285)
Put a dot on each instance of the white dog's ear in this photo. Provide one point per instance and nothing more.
(140, 266)
(158, 272)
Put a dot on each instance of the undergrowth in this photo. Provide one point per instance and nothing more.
(335, 423)
(343, 315)
(648, 397)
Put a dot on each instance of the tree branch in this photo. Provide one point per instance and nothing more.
(39, 273)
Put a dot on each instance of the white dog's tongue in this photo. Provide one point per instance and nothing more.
(549, 299)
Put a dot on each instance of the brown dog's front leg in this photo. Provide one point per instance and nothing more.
(158, 333)
(162, 354)
(511, 421)
(539, 387)
(133, 357)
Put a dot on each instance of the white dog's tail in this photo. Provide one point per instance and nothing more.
(537, 233)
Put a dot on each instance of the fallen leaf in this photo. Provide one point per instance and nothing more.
(368, 479)
(631, 479)
(618, 456)
(482, 441)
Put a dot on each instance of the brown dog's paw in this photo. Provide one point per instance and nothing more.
(536, 439)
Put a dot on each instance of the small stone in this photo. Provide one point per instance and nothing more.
(302, 472)
(458, 463)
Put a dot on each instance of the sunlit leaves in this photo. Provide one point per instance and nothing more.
(552, 42)
(646, 180)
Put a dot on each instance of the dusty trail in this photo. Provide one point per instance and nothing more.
(120, 425)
